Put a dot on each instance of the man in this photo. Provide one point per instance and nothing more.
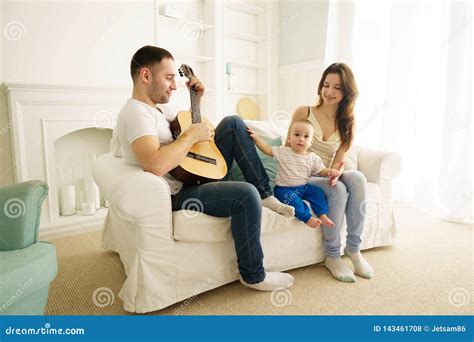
(144, 135)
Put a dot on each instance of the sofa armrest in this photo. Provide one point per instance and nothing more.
(379, 166)
(145, 200)
(138, 197)
(20, 212)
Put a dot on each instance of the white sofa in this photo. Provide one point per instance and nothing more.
(171, 256)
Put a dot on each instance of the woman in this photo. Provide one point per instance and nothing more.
(334, 126)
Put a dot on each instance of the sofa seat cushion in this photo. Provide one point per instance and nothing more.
(191, 226)
(25, 271)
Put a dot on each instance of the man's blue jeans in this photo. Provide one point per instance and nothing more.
(239, 200)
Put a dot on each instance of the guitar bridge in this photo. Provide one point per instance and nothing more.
(202, 158)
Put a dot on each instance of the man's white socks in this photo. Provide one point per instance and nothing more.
(274, 204)
(361, 266)
(339, 270)
(272, 281)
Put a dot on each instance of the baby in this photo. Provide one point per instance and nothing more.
(295, 166)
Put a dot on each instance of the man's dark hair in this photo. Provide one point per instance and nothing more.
(146, 57)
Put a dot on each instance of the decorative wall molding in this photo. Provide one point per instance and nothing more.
(303, 66)
(298, 84)
(40, 116)
(7, 87)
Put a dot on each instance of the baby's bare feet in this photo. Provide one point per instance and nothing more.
(314, 222)
(326, 220)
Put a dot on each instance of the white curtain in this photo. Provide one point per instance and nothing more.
(413, 65)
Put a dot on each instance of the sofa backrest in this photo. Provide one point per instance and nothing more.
(268, 130)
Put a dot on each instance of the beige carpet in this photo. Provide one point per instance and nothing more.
(428, 272)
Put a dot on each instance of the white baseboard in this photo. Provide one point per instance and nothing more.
(56, 232)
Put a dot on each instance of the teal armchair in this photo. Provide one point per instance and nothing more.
(27, 266)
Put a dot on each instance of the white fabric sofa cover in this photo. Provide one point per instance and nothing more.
(170, 256)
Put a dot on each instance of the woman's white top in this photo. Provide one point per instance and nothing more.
(324, 149)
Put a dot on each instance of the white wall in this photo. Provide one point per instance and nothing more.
(68, 43)
(6, 171)
(303, 26)
(89, 43)
(340, 30)
(78, 43)
(303, 32)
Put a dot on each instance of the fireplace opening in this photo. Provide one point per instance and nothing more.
(72, 153)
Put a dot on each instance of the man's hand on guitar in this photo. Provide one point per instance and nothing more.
(198, 86)
(200, 132)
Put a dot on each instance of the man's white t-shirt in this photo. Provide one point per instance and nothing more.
(137, 119)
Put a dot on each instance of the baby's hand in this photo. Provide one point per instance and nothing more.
(332, 173)
(252, 134)
(333, 179)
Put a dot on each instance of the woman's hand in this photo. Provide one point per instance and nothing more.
(334, 178)
(334, 173)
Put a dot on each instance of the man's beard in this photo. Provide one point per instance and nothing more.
(158, 95)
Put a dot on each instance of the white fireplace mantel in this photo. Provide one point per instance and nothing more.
(40, 115)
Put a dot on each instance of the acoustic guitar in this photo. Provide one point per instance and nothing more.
(204, 162)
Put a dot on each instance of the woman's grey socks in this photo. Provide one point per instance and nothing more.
(342, 272)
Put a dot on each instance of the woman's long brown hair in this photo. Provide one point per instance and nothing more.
(345, 111)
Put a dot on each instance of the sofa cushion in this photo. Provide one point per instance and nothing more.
(268, 163)
(25, 271)
(199, 227)
(191, 226)
(266, 129)
(350, 159)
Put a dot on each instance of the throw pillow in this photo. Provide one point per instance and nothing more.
(268, 163)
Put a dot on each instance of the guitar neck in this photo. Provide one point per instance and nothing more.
(196, 112)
